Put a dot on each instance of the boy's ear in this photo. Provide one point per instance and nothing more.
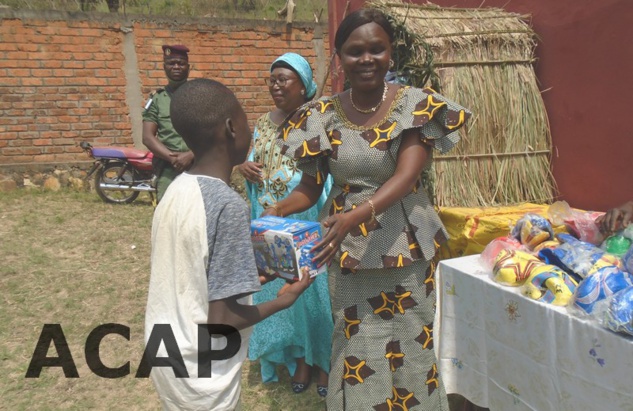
(230, 128)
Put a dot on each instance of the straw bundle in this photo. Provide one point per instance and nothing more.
(481, 58)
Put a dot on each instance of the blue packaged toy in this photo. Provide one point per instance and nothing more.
(282, 246)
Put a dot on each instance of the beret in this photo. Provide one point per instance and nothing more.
(177, 50)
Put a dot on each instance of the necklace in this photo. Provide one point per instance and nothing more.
(338, 106)
(373, 109)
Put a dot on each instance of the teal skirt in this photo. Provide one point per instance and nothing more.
(303, 330)
(382, 352)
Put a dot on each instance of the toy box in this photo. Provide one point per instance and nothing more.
(282, 245)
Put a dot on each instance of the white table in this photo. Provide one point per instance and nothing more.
(504, 351)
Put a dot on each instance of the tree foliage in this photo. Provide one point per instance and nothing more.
(305, 10)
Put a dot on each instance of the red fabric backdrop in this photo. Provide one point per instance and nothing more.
(585, 64)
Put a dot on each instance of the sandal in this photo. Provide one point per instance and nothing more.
(303, 372)
(298, 387)
(321, 390)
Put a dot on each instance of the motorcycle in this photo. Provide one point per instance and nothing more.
(122, 173)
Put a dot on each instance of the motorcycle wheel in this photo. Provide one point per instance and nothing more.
(109, 175)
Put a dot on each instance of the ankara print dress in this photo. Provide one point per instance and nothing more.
(382, 291)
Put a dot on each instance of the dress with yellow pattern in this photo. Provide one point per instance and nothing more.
(383, 289)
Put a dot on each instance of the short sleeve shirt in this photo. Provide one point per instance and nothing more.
(361, 159)
(157, 111)
(201, 252)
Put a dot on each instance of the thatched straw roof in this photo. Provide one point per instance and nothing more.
(481, 58)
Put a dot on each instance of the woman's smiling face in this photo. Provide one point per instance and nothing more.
(365, 57)
(287, 97)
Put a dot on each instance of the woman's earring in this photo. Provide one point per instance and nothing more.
(303, 92)
(391, 63)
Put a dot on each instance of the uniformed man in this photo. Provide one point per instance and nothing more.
(171, 154)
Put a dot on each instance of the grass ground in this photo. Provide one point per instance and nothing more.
(70, 259)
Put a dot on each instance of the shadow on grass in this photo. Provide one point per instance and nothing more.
(275, 396)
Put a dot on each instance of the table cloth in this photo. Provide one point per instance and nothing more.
(504, 351)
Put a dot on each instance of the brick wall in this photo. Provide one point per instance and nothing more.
(68, 77)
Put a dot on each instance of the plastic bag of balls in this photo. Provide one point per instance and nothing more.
(578, 258)
(538, 281)
(616, 312)
(619, 243)
(531, 233)
(532, 230)
(627, 260)
(599, 285)
(549, 284)
(580, 223)
(492, 250)
(512, 267)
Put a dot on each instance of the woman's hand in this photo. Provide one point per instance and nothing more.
(338, 225)
(251, 171)
(616, 219)
(270, 211)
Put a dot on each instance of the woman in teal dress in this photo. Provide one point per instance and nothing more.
(299, 337)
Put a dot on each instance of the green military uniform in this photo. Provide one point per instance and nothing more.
(157, 112)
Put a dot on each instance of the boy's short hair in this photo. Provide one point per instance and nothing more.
(198, 107)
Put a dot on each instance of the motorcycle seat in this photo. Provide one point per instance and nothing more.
(119, 152)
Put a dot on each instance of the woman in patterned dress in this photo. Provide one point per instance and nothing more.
(299, 337)
(381, 230)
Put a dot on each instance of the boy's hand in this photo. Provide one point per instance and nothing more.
(294, 290)
(264, 277)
